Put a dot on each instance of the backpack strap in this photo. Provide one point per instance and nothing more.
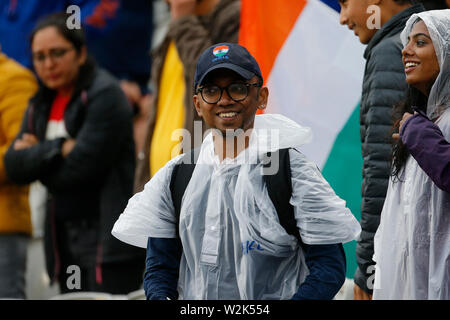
(279, 188)
(181, 175)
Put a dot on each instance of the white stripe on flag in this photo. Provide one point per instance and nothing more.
(317, 76)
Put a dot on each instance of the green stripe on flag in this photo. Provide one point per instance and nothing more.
(343, 170)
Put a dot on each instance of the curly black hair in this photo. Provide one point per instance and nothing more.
(414, 98)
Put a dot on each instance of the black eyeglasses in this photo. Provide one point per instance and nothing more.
(237, 91)
(54, 54)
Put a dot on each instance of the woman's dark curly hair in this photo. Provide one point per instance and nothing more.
(414, 98)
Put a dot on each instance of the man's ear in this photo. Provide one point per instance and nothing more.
(197, 105)
(263, 97)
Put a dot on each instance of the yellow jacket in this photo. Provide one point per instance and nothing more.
(17, 85)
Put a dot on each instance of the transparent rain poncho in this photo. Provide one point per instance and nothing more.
(234, 246)
(412, 243)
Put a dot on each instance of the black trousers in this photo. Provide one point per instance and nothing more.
(80, 267)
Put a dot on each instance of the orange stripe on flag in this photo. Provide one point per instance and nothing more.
(221, 47)
(265, 25)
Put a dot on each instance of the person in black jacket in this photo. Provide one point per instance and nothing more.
(77, 140)
(383, 86)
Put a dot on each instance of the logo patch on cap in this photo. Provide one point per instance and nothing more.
(220, 51)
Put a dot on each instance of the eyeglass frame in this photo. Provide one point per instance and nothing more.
(52, 55)
(247, 85)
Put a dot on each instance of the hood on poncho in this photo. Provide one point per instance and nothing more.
(438, 25)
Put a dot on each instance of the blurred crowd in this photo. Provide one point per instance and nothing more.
(86, 119)
(79, 114)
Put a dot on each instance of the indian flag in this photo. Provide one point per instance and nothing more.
(313, 67)
(220, 51)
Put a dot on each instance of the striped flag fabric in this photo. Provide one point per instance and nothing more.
(313, 68)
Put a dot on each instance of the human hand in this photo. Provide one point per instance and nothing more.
(132, 91)
(405, 117)
(26, 141)
(145, 105)
(360, 294)
(67, 147)
(181, 8)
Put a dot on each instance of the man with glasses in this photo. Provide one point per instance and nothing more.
(225, 239)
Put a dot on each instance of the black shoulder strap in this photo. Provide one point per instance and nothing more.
(279, 187)
(181, 175)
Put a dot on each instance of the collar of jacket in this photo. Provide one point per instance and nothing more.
(395, 25)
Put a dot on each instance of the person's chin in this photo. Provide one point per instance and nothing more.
(411, 80)
(52, 85)
(365, 36)
(230, 132)
(363, 39)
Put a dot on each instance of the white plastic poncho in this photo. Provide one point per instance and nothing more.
(234, 246)
(412, 243)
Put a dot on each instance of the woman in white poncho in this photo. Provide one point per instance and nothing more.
(412, 243)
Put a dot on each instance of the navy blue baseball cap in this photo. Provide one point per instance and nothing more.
(229, 56)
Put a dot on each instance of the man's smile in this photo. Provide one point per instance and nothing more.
(228, 115)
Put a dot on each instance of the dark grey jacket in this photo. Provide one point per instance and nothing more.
(384, 86)
(96, 179)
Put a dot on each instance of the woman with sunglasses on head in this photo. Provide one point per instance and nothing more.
(76, 148)
(412, 243)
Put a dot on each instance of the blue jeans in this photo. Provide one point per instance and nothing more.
(13, 259)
